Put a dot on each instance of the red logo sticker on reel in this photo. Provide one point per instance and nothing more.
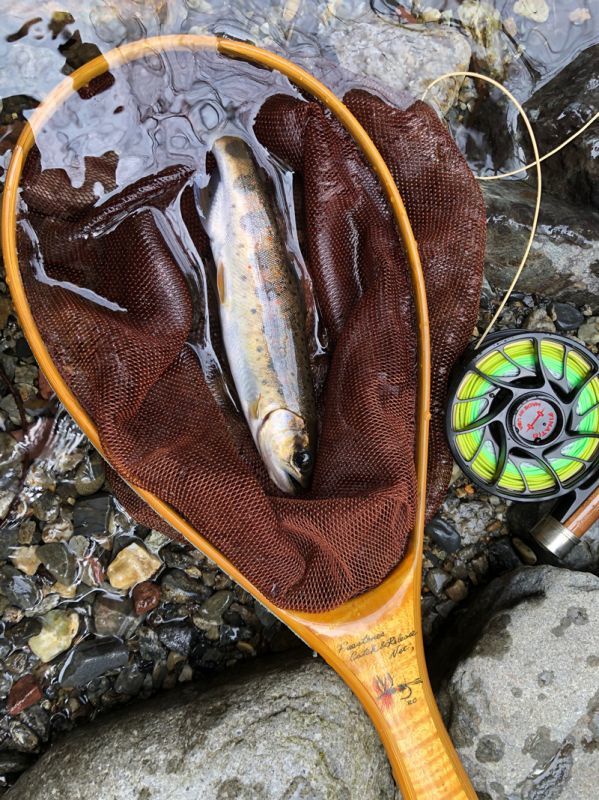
(535, 420)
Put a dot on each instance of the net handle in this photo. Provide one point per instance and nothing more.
(436, 754)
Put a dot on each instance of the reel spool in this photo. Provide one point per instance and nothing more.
(523, 424)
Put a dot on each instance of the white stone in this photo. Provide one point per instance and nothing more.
(131, 566)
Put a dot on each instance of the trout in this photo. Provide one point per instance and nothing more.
(262, 315)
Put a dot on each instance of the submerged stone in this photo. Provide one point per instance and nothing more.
(132, 565)
(90, 515)
(92, 658)
(59, 561)
(24, 693)
(19, 589)
(58, 631)
(146, 596)
(113, 616)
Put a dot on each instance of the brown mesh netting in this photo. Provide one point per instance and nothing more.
(144, 387)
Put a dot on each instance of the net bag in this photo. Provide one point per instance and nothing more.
(122, 339)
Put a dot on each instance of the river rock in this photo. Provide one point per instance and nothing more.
(24, 693)
(403, 58)
(522, 707)
(58, 630)
(113, 616)
(59, 561)
(443, 534)
(26, 559)
(89, 477)
(19, 589)
(90, 515)
(557, 110)
(132, 565)
(563, 261)
(9, 541)
(178, 587)
(271, 733)
(146, 597)
(92, 658)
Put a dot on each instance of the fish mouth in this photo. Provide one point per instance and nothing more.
(296, 484)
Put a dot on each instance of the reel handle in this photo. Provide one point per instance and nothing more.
(567, 523)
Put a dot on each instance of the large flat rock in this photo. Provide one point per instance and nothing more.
(273, 733)
(523, 704)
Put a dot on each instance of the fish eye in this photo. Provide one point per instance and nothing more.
(302, 460)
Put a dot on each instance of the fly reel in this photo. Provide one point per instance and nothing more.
(523, 424)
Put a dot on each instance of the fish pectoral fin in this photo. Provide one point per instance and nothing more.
(254, 408)
(220, 282)
(204, 195)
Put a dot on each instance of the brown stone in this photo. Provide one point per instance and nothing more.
(146, 596)
(24, 693)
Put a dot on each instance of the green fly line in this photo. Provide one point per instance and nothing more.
(472, 417)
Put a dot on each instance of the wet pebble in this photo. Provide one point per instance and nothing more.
(20, 633)
(177, 637)
(150, 648)
(566, 316)
(58, 631)
(89, 477)
(457, 591)
(37, 719)
(501, 556)
(59, 561)
(19, 589)
(90, 515)
(5, 683)
(113, 616)
(23, 738)
(178, 587)
(130, 680)
(132, 565)
(59, 531)
(92, 658)
(436, 580)
(539, 320)
(443, 535)
(24, 693)
(589, 332)
(527, 555)
(146, 596)
(210, 613)
(9, 541)
(25, 559)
